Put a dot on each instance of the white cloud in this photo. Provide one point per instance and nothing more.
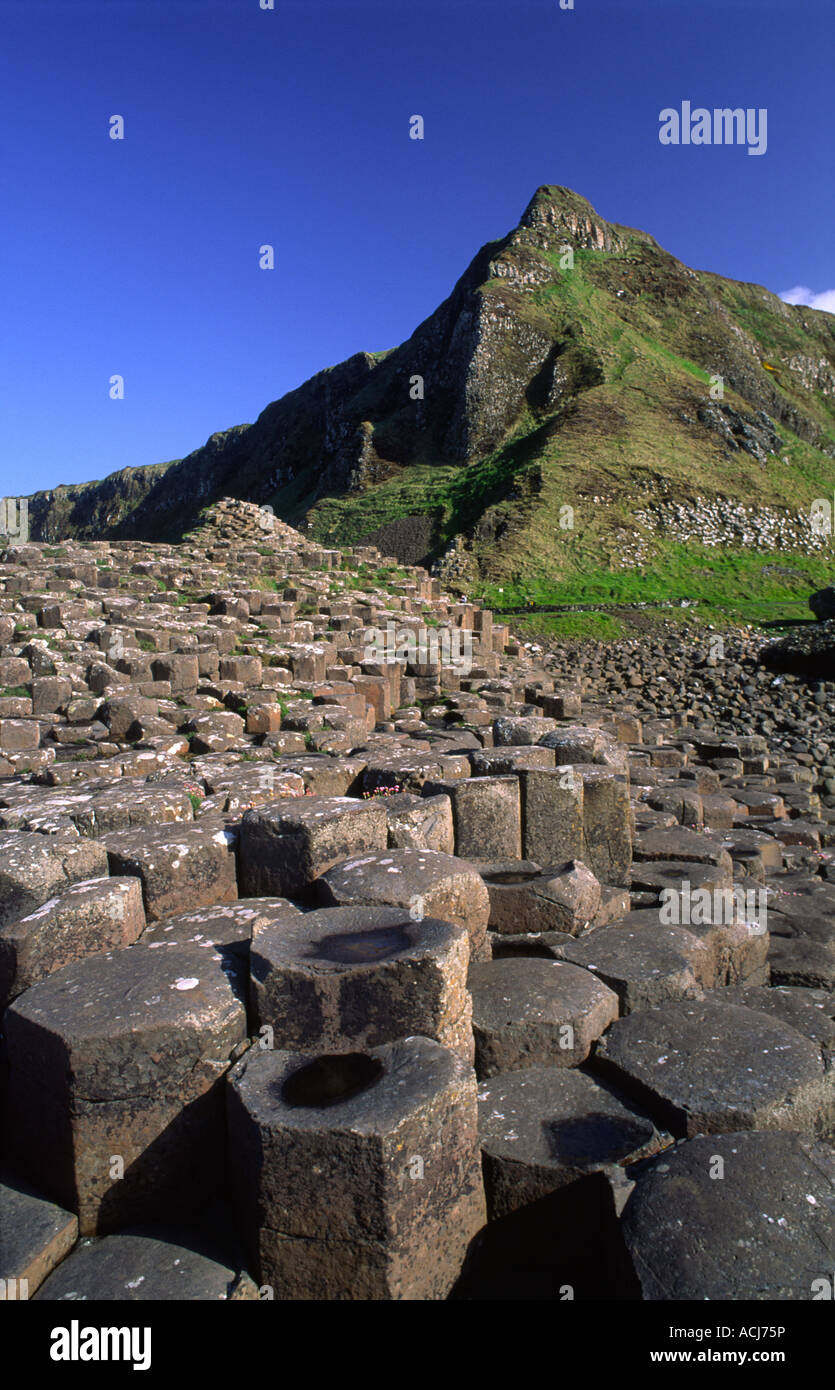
(801, 294)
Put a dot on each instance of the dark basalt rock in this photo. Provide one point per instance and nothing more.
(807, 651)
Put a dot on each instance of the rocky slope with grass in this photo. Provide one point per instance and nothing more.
(585, 417)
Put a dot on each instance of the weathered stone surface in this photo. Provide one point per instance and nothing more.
(325, 775)
(577, 744)
(607, 826)
(498, 762)
(181, 671)
(422, 882)
(682, 844)
(644, 964)
(125, 714)
(92, 916)
(416, 822)
(563, 899)
(34, 868)
(401, 772)
(757, 852)
(35, 1235)
(179, 866)
(810, 1012)
(353, 977)
(514, 731)
(125, 807)
(765, 1231)
(735, 948)
(134, 1267)
(486, 814)
(552, 815)
(801, 924)
(390, 1134)
(245, 785)
(288, 844)
(18, 735)
(711, 1067)
(529, 1012)
(215, 732)
(546, 1127)
(655, 879)
(120, 1055)
(227, 926)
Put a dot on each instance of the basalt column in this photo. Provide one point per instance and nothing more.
(357, 1175)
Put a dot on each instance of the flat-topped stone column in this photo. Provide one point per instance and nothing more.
(288, 844)
(733, 1217)
(113, 1104)
(87, 918)
(179, 866)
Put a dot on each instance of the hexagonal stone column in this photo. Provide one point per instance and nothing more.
(523, 900)
(546, 1127)
(288, 844)
(97, 915)
(578, 744)
(735, 1216)
(529, 1012)
(416, 822)
(552, 814)
(165, 1265)
(496, 762)
(353, 977)
(709, 1067)
(357, 1176)
(644, 962)
(487, 816)
(35, 1235)
(180, 866)
(515, 730)
(607, 824)
(118, 1058)
(809, 1011)
(423, 882)
(35, 867)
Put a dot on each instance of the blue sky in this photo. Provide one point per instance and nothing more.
(246, 126)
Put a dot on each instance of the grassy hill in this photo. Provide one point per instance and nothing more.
(584, 419)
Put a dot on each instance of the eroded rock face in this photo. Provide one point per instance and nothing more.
(225, 831)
